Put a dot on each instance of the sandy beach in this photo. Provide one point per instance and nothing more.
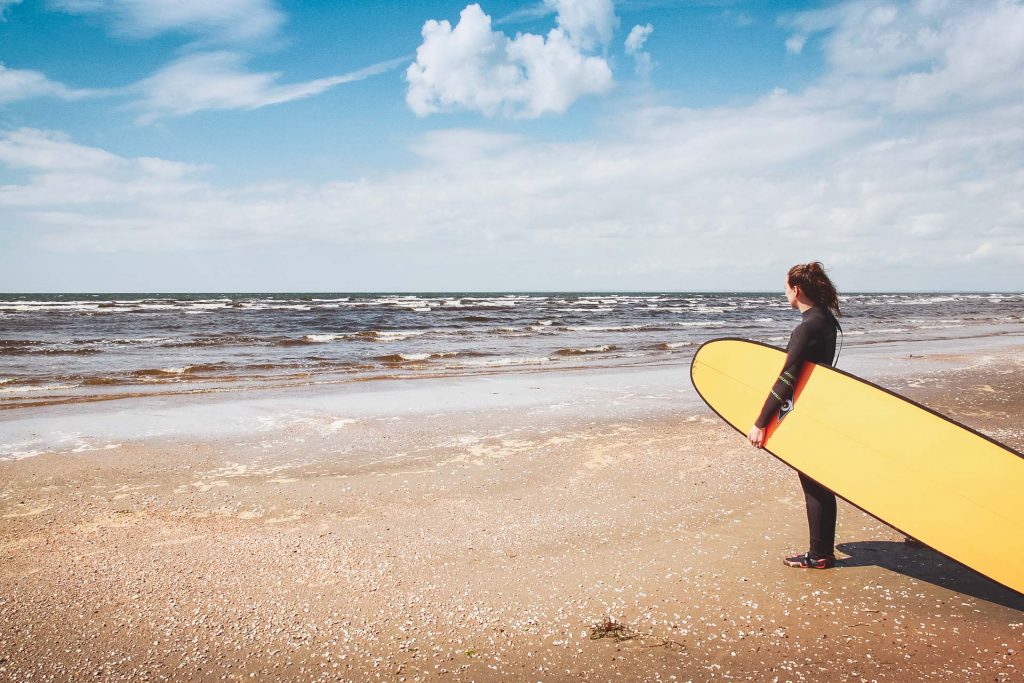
(548, 526)
(352, 341)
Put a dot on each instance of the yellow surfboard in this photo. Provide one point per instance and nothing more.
(952, 488)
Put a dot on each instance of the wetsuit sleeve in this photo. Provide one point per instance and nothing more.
(783, 387)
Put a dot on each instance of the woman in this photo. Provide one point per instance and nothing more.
(810, 291)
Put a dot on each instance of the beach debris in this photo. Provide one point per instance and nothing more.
(609, 628)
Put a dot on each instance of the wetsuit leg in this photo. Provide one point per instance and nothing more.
(821, 517)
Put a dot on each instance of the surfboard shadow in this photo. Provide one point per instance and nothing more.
(925, 564)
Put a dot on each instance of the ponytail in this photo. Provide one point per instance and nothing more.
(815, 284)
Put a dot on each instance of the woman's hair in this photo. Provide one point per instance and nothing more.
(813, 282)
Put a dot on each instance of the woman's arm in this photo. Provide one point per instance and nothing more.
(782, 390)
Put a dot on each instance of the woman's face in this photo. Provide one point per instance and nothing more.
(791, 294)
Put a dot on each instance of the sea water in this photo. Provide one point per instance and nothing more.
(66, 348)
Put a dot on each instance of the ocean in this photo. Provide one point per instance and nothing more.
(64, 348)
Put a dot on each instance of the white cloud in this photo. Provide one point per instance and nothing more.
(668, 198)
(21, 84)
(795, 44)
(89, 190)
(915, 56)
(219, 80)
(879, 37)
(634, 47)
(464, 145)
(473, 67)
(637, 37)
(527, 13)
(204, 78)
(586, 23)
(738, 19)
(230, 20)
(783, 176)
(51, 152)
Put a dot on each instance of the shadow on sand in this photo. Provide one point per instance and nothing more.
(925, 564)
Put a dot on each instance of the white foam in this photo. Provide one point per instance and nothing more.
(18, 455)
(398, 335)
(610, 328)
(504, 362)
(37, 387)
(320, 338)
(495, 304)
(591, 349)
(701, 323)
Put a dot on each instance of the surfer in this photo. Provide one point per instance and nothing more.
(810, 291)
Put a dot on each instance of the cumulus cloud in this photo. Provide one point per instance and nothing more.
(634, 47)
(230, 20)
(474, 67)
(587, 24)
(219, 80)
(21, 84)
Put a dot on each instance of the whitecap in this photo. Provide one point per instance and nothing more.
(319, 338)
(37, 387)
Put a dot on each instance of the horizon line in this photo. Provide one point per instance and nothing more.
(503, 291)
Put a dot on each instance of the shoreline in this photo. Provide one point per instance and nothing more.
(84, 427)
(468, 535)
(141, 373)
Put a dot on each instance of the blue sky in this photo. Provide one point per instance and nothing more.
(252, 145)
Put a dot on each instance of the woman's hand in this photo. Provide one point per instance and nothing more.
(756, 437)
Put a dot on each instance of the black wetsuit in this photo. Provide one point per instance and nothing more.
(814, 340)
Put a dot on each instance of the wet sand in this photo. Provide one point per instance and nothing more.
(486, 544)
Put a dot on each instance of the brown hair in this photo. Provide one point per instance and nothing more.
(815, 284)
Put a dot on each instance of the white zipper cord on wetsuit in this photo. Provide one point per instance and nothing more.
(840, 349)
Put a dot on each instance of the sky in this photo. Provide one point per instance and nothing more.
(570, 145)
